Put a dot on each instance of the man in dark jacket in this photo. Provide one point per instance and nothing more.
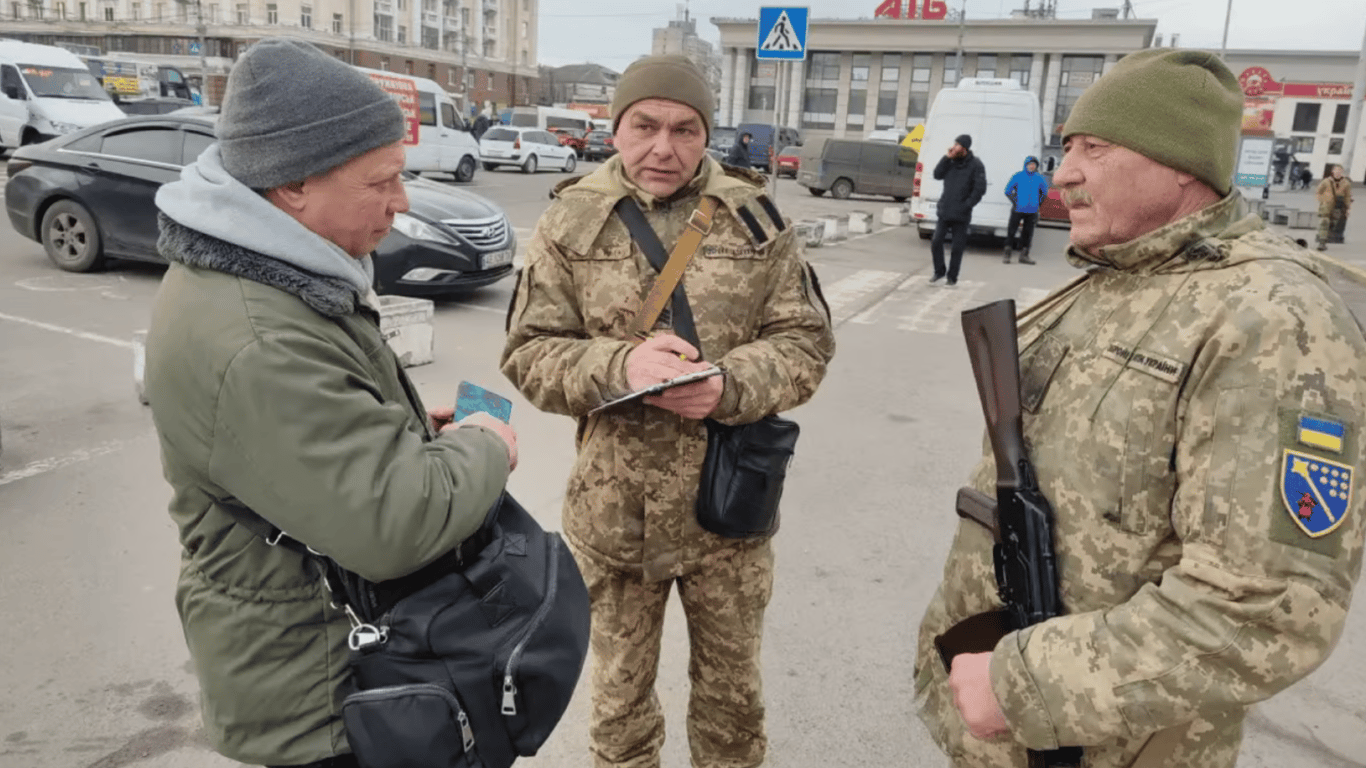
(965, 181)
(738, 155)
(1027, 190)
(481, 126)
(276, 397)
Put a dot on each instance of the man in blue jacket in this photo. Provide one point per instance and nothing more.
(1027, 191)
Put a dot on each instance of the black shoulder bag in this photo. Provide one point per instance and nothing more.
(746, 464)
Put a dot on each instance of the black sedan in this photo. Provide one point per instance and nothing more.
(89, 196)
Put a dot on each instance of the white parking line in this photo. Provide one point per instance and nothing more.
(844, 295)
(43, 466)
(69, 331)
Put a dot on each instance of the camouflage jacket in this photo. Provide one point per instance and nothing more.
(759, 315)
(1181, 401)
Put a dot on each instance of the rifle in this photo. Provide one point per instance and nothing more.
(1020, 519)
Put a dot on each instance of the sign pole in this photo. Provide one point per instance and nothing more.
(773, 142)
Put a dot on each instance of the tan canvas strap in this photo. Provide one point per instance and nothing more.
(699, 226)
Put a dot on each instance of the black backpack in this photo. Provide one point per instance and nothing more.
(469, 662)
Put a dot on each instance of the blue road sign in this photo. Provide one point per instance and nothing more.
(194, 48)
(782, 33)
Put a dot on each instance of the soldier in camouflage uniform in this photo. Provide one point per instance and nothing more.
(1335, 200)
(1179, 399)
(628, 509)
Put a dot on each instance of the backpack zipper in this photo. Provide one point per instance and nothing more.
(552, 584)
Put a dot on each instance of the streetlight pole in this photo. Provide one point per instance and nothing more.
(1223, 47)
(958, 60)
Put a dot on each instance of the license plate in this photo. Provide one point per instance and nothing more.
(496, 259)
(495, 153)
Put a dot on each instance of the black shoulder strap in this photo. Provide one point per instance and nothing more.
(650, 245)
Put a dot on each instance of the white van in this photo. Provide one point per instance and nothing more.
(46, 92)
(1006, 126)
(443, 143)
(546, 118)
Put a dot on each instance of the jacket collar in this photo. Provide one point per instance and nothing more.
(1203, 236)
(329, 296)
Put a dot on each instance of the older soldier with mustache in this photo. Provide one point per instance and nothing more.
(1180, 398)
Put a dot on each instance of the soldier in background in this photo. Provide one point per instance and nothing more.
(1335, 201)
(1180, 398)
(628, 509)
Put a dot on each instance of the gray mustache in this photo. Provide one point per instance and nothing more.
(1073, 197)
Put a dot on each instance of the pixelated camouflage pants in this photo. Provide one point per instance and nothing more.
(1332, 222)
(723, 603)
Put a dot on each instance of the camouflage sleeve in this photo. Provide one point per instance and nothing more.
(549, 355)
(782, 368)
(1260, 594)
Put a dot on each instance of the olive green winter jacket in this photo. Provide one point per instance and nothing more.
(272, 387)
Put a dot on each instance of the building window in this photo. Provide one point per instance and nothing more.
(80, 9)
(59, 11)
(136, 10)
(1303, 144)
(1335, 146)
(384, 30)
(431, 38)
(886, 94)
(338, 22)
(762, 87)
(384, 63)
(986, 64)
(402, 5)
(109, 13)
(212, 16)
(16, 10)
(1019, 69)
(919, 104)
(488, 49)
(450, 76)
(1306, 117)
(243, 15)
(35, 9)
(858, 90)
(182, 12)
(408, 67)
(306, 16)
(1340, 118)
(821, 91)
(526, 29)
(1078, 72)
(402, 34)
(272, 13)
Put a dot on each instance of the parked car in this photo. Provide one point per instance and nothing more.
(789, 162)
(570, 137)
(599, 145)
(157, 105)
(1051, 210)
(530, 149)
(89, 196)
(723, 137)
(844, 167)
(761, 142)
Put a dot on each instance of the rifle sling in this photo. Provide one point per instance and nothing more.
(669, 284)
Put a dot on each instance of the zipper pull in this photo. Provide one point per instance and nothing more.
(466, 732)
(509, 696)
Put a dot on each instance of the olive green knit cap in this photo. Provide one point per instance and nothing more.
(1182, 108)
(671, 77)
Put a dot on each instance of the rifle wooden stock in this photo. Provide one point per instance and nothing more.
(978, 507)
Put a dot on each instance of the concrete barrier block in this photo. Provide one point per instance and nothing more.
(1305, 220)
(896, 216)
(407, 325)
(812, 233)
(860, 223)
(836, 228)
(1281, 216)
(140, 365)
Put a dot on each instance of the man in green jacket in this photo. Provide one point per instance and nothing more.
(273, 391)
(628, 510)
(1180, 400)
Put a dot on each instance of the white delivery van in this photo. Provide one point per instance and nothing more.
(1006, 126)
(46, 92)
(443, 143)
(546, 118)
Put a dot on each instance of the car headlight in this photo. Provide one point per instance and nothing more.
(63, 128)
(417, 229)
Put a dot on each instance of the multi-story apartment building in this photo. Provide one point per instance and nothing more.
(680, 37)
(482, 51)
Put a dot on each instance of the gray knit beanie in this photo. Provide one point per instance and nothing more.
(291, 112)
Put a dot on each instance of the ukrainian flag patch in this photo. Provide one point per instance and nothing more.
(1323, 434)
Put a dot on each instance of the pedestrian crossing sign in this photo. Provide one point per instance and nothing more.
(782, 33)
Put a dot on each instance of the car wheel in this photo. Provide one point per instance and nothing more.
(71, 238)
(465, 171)
(925, 234)
(530, 166)
(570, 164)
(899, 198)
(489, 166)
(815, 192)
(842, 188)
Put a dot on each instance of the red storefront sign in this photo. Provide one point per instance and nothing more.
(1256, 81)
(404, 92)
(930, 10)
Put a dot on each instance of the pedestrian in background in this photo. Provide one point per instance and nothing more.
(628, 510)
(481, 125)
(738, 155)
(274, 395)
(1027, 190)
(1181, 397)
(1335, 200)
(965, 182)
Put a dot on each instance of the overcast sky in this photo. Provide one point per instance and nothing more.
(615, 32)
